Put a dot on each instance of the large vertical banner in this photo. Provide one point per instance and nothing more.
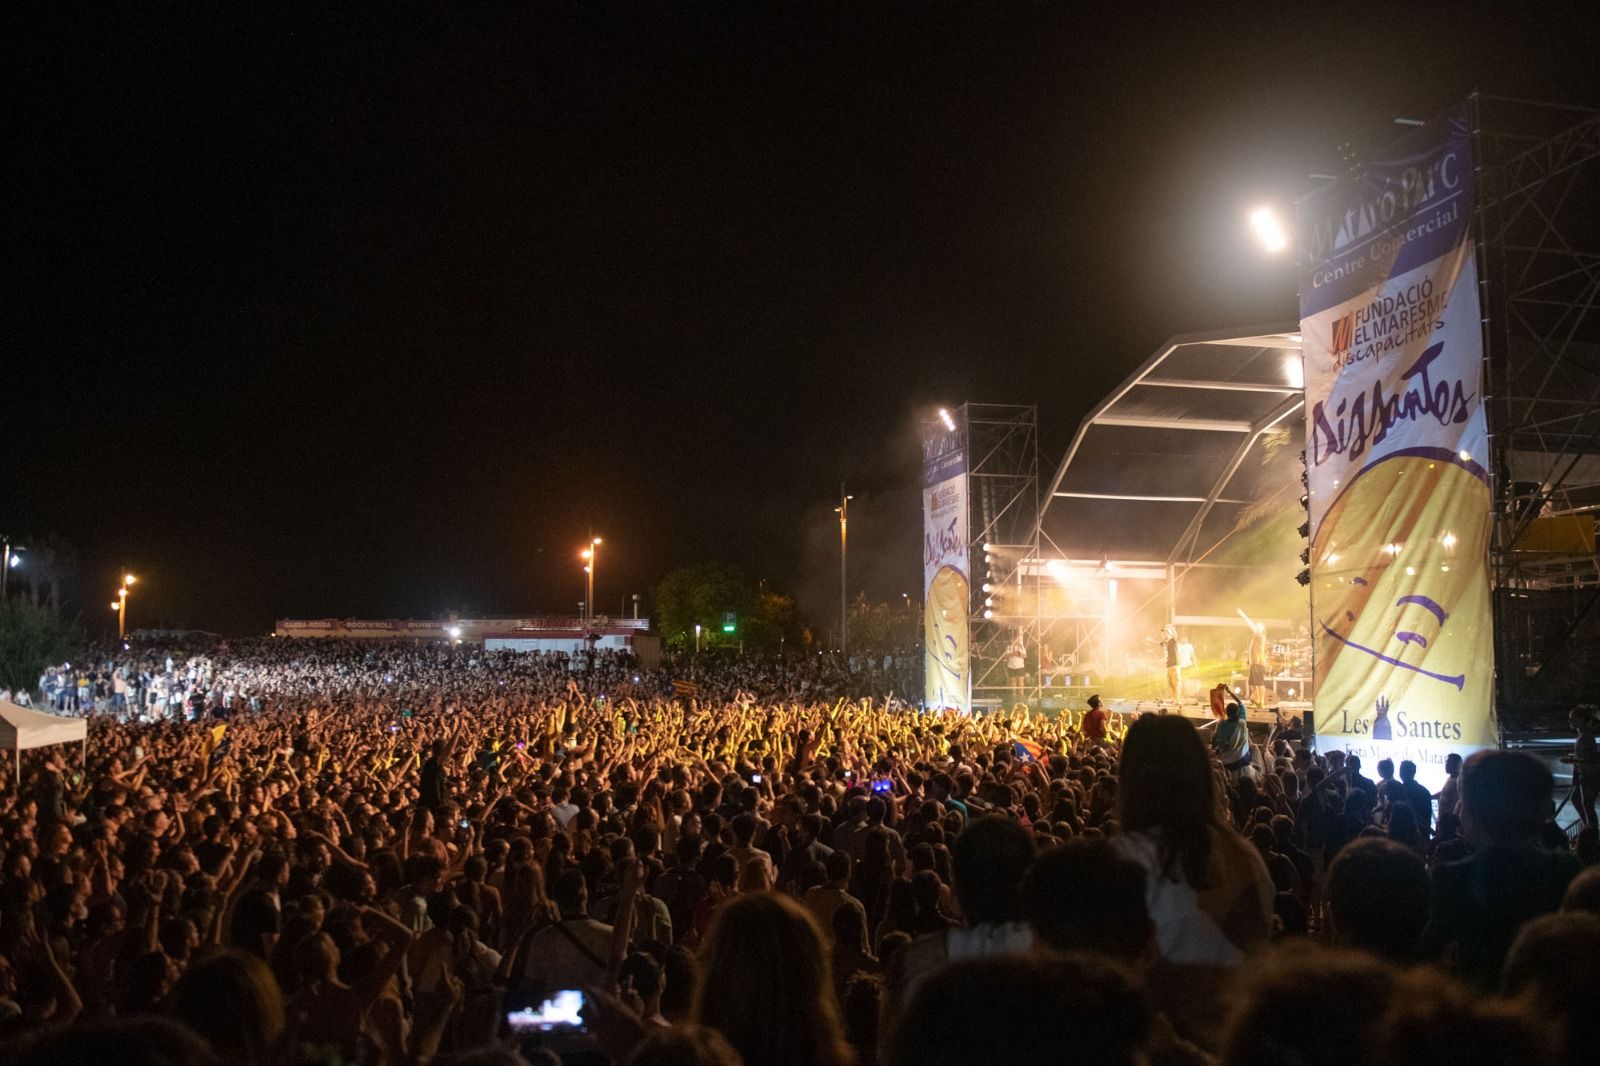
(1396, 449)
(946, 566)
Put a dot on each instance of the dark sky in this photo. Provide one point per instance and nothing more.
(369, 315)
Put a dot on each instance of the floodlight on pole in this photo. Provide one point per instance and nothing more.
(1268, 230)
(944, 416)
(843, 510)
(591, 558)
(121, 605)
(9, 559)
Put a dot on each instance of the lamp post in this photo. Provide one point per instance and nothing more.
(591, 559)
(843, 511)
(120, 605)
(7, 561)
(697, 639)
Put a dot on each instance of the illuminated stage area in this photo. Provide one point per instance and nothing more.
(1177, 504)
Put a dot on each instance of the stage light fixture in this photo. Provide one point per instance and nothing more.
(1294, 371)
(1305, 555)
(1305, 529)
(949, 423)
(1305, 499)
(1269, 231)
(1303, 577)
(988, 587)
(988, 614)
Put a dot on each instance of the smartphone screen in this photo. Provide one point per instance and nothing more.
(755, 779)
(561, 1012)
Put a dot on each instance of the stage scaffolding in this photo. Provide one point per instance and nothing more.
(1538, 231)
(1003, 486)
(1183, 480)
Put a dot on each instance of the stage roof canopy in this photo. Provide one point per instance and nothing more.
(1204, 435)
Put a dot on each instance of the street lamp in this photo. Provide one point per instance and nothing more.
(843, 511)
(591, 557)
(7, 561)
(120, 605)
(697, 638)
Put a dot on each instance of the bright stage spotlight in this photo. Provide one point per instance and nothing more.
(949, 423)
(1269, 231)
(1294, 371)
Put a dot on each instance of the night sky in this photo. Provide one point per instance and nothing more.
(379, 315)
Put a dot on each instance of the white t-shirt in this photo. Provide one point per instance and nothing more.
(1185, 934)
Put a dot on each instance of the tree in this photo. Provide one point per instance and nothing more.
(699, 595)
(883, 626)
(773, 623)
(48, 561)
(31, 638)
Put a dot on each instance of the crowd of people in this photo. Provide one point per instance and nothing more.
(189, 679)
(280, 852)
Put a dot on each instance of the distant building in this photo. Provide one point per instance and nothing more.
(541, 633)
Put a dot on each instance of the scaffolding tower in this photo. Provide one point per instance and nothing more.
(1538, 229)
(1003, 487)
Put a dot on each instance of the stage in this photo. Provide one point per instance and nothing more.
(1076, 701)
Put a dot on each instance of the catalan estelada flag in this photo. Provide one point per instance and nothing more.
(1026, 751)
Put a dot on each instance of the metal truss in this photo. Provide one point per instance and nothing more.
(1539, 271)
(1003, 486)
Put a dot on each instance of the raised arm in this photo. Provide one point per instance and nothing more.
(398, 938)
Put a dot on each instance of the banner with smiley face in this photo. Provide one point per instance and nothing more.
(947, 591)
(1397, 454)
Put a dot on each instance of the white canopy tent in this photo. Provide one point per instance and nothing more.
(23, 730)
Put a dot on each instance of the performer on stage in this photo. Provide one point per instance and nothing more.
(1047, 664)
(1258, 664)
(1169, 641)
(1017, 664)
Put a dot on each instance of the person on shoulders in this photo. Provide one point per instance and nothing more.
(1208, 889)
(1096, 721)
